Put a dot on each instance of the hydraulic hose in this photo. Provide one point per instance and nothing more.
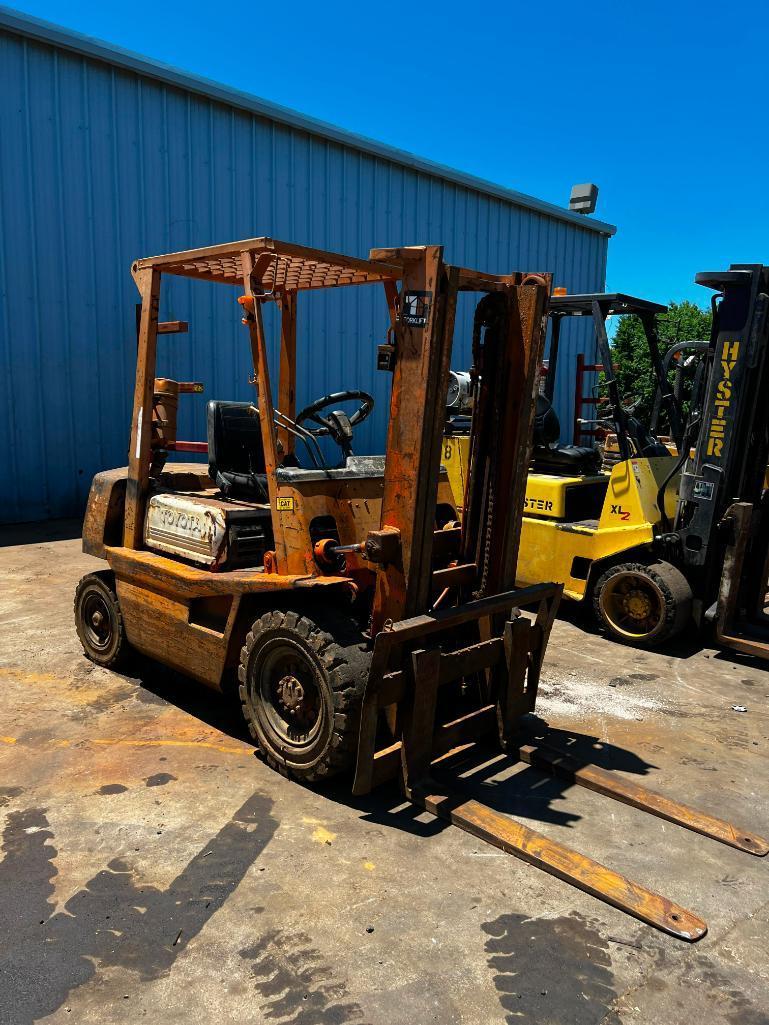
(676, 467)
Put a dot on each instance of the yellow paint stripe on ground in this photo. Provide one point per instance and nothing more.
(224, 748)
(229, 749)
(24, 676)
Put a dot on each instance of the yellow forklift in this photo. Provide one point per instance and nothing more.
(674, 532)
(590, 526)
(363, 631)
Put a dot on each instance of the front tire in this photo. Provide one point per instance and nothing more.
(99, 621)
(301, 684)
(642, 604)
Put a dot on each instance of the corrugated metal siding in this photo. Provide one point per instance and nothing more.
(100, 165)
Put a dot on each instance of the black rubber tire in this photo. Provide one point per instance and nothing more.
(329, 647)
(96, 592)
(676, 600)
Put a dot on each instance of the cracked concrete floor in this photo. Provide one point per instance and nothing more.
(153, 868)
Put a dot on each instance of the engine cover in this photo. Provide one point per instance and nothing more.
(194, 528)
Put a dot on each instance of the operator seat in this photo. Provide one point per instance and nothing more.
(559, 460)
(235, 451)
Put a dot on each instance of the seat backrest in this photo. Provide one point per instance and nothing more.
(643, 440)
(234, 439)
(547, 429)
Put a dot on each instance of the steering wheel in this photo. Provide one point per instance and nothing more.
(337, 424)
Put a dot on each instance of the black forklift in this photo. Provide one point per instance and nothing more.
(720, 535)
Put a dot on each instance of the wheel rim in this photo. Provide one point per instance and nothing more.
(96, 617)
(288, 694)
(633, 605)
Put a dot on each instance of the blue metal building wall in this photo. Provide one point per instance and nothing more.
(100, 164)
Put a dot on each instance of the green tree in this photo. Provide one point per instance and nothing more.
(683, 322)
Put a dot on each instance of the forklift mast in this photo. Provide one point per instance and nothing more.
(732, 439)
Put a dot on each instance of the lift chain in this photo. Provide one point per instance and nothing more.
(491, 314)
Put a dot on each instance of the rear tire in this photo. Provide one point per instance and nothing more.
(99, 621)
(301, 684)
(641, 604)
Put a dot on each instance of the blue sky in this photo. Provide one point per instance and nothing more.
(658, 103)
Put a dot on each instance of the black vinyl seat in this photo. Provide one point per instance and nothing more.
(560, 460)
(235, 451)
(236, 456)
(567, 460)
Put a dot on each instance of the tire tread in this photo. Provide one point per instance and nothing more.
(337, 643)
(105, 580)
(675, 588)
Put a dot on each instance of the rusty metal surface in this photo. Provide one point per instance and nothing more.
(140, 434)
(382, 687)
(152, 603)
(646, 800)
(412, 454)
(567, 864)
(191, 582)
(278, 266)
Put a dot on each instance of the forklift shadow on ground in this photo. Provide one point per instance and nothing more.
(685, 645)
(39, 532)
(159, 684)
(530, 792)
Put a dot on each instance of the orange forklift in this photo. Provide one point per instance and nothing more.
(368, 632)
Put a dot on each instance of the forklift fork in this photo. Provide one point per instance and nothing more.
(574, 868)
(415, 658)
(563, 862)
